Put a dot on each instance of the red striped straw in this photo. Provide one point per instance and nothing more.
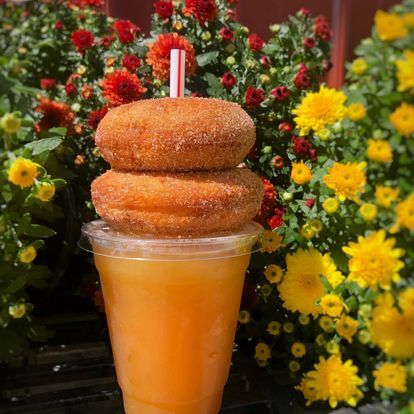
(177, 73)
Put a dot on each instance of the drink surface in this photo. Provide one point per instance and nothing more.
(172, 326)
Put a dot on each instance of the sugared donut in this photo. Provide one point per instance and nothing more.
(175, 134)
(177, 204)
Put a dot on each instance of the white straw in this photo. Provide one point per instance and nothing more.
(177, 73)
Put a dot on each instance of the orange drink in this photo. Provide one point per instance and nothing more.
(172, 307)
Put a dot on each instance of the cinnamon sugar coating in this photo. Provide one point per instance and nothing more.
(175, 134)
(177, 204)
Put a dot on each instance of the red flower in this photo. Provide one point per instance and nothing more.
(196, 95)
(228, 80)
(275, 221)
(87, 3)
(280, 93)
(47, 83)
(302, 79)
(265, 61)
(158, 55)
(55, 114)
(125, 30)
(301, 146)
(106, 41)
(203, 10)
(70, 88)
(121, 87)
(255, 42)
(164, 8)
(131, 62)
(278, 162)
(58, 25)
(313, 155)
(310, 202)
(87, 91)
(304, 12)
(285, 127)
(254, 97)
(82, 39)
(231, 14)
(96, 116)
(226, 34)
(322, 29)
(309, 42)
(268, 202)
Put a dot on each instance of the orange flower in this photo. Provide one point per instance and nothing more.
(158, 55)
(55, 114)
(203, 10)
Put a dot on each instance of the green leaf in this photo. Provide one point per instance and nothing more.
(16, 285)
(39, 333)
(205, 58)
(37, 230)
(45, 144)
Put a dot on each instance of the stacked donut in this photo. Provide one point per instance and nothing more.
(174, 167)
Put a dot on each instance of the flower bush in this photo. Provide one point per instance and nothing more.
(329, 300)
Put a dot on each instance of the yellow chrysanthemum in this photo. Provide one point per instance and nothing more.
(316, 225)
(304, 320)
(408, 20)
(319, 109)
(302, 287)
(406, 300)
(321, 340)
(403, 119)
(17, 311)
(27, 255)
(359, 66)
(262, 351)
(334, 381)
(301, 173)
(347, 327)
(405, 213)
(389, 26)
(392, 376)
(379, 150)
(392, 330)
(308, 391)
(356, 111)
(266, 290)
(294, 366)
(334, 276)
(333, 348)
(374, 262)
(347, 180)
(385, 196)
(270, 241)
(288, 327)
(332, 305)
(330, 205)
(45, 191)
(244, 317)
(307, 232)
(326, 323)
(368, 211)
(298, 350)
(273, 328)
(405, 71)
(273, 273)
(23, 172)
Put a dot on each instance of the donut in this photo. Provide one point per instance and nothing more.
(177, 204)
(175, 134)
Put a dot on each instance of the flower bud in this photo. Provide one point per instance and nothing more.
(378, 134)
(231, 60)
(274, 28)
(267, 149)
(17, 311)
(10, 123)
(230, 48)
(273, 71)
(286, 196)
(264, 78)
(337, 127)
(324, 134)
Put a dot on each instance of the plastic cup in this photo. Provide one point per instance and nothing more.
(172, 306)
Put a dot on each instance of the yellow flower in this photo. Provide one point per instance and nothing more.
(334, 276)
(347, 327)
(332, 348)
(10, 123)
(320, 340)
(301, 173)
(406, 300)
(45, 191)
(273, 328)
(368, 211)
(307, 232)
(364, 337)
(335, 381)
(27, 255)
(23, 172)
(244, 317)
(392, 376)
(304, 320)
(408, 20)
(392, 330)
(270, 241)
(374, 262)
(273, 273)
(385, 196)
(403, 119)
(298, 350)
(379, 151)
(266, 290)
(319, 109)
(17, 311)
(347, 180)
(308, 391)
(294, 366)
(302, 287)
(405, 213)
(332, 305)
(405, 71)
(288, 327)
(316, 225)
(330, 205)
(326, 323)
(262, 351)
(359, 66)
(389, 26)
(356, 111)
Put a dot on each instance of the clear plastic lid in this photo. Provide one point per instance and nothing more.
(100, 239)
